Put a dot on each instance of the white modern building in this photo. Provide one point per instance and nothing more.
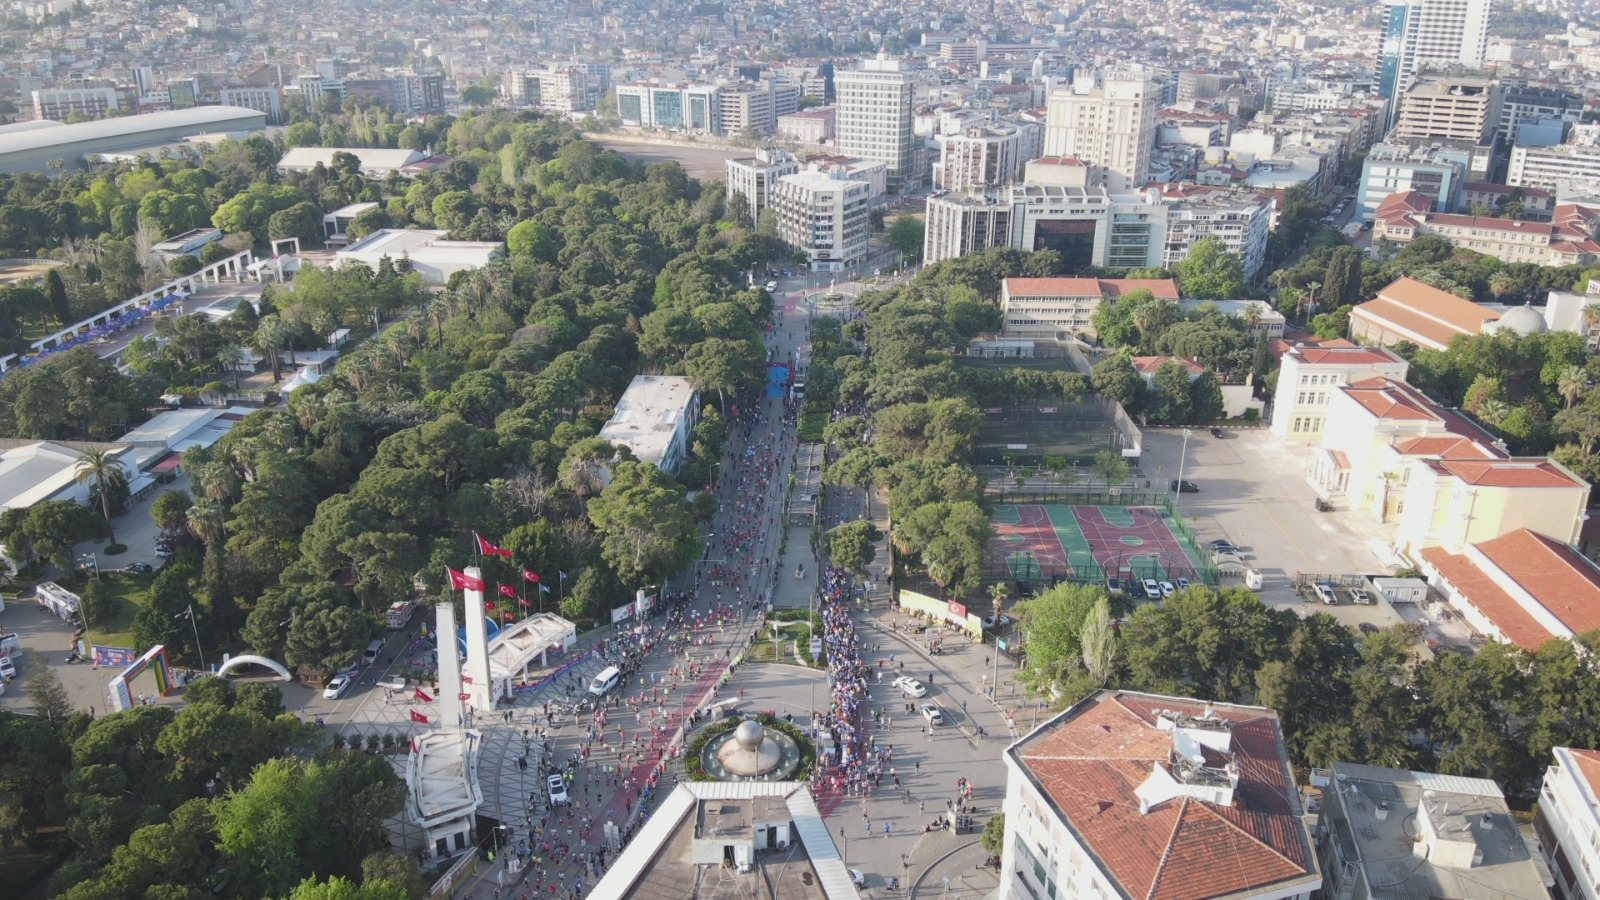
(33, 472)
(1567, 822)
(375, 162)
(265, 99)
(1309, 377)
(753, 177)
(1439, 172)
(823, 212)
(41, 149)
(809, 126)
(564, 88)
(59, 104)
(874, 117)
(980, 156)
(693, 108)
(428, 253)
(1112, 127)
(1566, 169)
(654, 418)
(1141, 795)
(1394, 833)
(1423, 34)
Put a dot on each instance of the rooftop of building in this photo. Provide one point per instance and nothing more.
(1426, 312)
(1149, 365)
(132, 127)
(1340, 352)
(1585, 768)
(1162, 288)
(1128, 774)
(1392, 400)
(1560, 581)
(1473, 847)
(395, 242)
(34, 471)
(371, 158)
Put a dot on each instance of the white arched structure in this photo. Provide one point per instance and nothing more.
(247, 660)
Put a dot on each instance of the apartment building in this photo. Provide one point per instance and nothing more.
(1060, 309)
(1423, 34)
(1113, 127)
(1567, 822)
(1309, 376)
(1125, 792)
(266, 99)
(1241, 221)
(1565, 169)
(980, 156)
(753, 177)
(1567, 240)
(754, 108)
(874, 117)
(823, 213)
(61, 103)
(564, 89)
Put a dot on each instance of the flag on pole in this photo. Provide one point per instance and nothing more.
(562, 574)
(488, 608)
(488, 549)
(531, 575)
(461, 581)
(544, 588)
(423, 696)
(418, 717)
(464, 697)
(507, 590)
(525, 601)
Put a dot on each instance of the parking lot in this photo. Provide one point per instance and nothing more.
(1252, 491)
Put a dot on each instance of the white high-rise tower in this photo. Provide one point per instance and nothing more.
(1112, 127)
(874, 119)
(1423, 34)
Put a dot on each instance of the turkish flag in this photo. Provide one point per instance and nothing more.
(507, 590)
(531, 576)
(423, 696)
(525, 601)
(488, 608)
(418, 717)
(489, 549)
(461, 581)
(464, 697)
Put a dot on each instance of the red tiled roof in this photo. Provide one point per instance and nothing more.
(1149, 364)
(1482, 593)
(1509, 473)
(1381, 397)
(1445, 446)
(1554, 574)
(1091, 761)
(1424, 311)
(1342, 352)
(1588, 767)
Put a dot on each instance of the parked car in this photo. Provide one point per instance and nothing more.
(8, 669)
(994, 624)
(1326, 595)
(910, 686)
(771, 286)
(932, 713)
(137, 569)
(1218, 432)
(338, 687)
(394, 683)
(558, 790)
(1167, 589)
(1360, 596)
(1368, 628)
(1183, 584)
(1184, 487)
(1152, 590)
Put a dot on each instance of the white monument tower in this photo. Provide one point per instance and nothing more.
(475, 680)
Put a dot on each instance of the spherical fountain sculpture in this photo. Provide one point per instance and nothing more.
(751, 753)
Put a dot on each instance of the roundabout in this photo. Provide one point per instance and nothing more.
(750, 752)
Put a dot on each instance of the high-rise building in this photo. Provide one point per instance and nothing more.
(1461, 110)
(1112, 127)
(565, 88)
(92, 103)
(695, 108)
(1423, 34)
(1566, 169)
(1567, 816)
(268, 100)
(984, 155)
(822, 212)
(874, 120)
(753, 178)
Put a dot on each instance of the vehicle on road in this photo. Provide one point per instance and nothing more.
(338, 687)
(394, 683)
(1368, 628)
(136, 569)
(993, 623)
(9, 643)
(1184, 487)
(932, 713)
(558, 790)
(605, 681)
(772, 287)
(1218, 432)
(1167, 588)
(857, 878)
(1360, 596)
(910, 686)
(8, 669)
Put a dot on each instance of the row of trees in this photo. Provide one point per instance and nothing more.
(1340, 696)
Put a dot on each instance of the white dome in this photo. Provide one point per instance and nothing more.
(1523, 320)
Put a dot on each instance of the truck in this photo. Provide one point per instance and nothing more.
(58, 601)
(399, 614)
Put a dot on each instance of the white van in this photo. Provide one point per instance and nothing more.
(374, 650)
(605, 681)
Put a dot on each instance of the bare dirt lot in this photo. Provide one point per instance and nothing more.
(20, 274)
(704, 163)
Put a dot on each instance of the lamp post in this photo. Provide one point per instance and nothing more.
(188, 611)
(1182, 458)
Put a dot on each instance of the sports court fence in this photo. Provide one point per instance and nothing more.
(1075, 429)
(1196, 565)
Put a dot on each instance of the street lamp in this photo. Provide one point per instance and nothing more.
(1177, 487)
(93, 562)
(188, 612)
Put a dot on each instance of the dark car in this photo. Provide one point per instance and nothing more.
(1186, 487)
(138, 569)
(1218, 432)
(1368, 628)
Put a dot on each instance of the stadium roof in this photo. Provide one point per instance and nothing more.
(124, 126)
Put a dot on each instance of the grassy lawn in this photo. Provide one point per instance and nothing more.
(811, 426)
(128, 593)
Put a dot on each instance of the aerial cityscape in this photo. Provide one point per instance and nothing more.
(505, 451)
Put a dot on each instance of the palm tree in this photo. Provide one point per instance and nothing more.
(271, 336)
(1571, 384)
(104, 468)
(230, 356)
(1493, 412)
(217, 480)
(206, 520)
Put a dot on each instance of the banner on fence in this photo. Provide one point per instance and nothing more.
(622, 612)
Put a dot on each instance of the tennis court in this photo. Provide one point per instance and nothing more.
(1090, 543)
(1025, 435)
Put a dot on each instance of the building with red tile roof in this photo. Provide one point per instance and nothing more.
(1521, 588)
(1408, 310)
(1309, 374)
(1567, 819)
(1567, 240)
(1155, 797)
(1054, 309)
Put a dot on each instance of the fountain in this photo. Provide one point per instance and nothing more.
(750, 752)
